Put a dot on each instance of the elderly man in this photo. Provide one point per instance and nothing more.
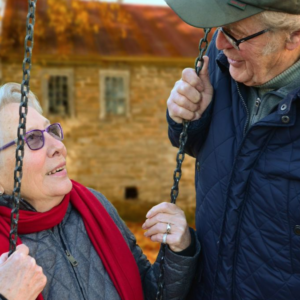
(245, 137)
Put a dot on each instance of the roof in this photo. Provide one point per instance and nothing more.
(85, 29)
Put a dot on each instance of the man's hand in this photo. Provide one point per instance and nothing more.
(20, 277)
(191, 95)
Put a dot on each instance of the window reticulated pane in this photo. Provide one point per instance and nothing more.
(58, 95)
(115, 101)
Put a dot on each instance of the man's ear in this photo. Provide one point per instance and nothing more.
(293, 41)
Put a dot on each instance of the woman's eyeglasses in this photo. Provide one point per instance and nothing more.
(35, 138)
(235, 43)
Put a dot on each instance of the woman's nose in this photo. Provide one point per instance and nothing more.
(53, 145)
(222, 42)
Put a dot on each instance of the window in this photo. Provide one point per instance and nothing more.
(58, 95)
(57, 91)
(131, 193)
(114, 93)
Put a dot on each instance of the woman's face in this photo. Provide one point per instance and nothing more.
(39, 187)
(250, 65)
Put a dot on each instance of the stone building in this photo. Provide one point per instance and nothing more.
(108, 87)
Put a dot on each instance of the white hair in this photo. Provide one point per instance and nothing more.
(11, 93)
(278, 21)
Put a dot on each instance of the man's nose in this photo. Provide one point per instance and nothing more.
(222, 42)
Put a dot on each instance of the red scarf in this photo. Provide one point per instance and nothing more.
(101, 229)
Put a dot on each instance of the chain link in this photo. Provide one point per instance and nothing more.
(180, 157)
(22, 125)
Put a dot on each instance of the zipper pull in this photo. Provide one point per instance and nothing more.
(71, 259)
(257, 105)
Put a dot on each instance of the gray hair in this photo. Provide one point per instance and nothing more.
(11, 93)
(278, 21)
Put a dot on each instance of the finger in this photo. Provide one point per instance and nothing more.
(189, 92)
(186, 103)
(162, 218)
(177, 113)
(164, 207)
(190, 76)
(3, 257)
(22, 249)
(160, 228)
(204, 75)
(170, 240)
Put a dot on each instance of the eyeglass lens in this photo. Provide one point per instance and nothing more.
(35, 138)
(229, 39)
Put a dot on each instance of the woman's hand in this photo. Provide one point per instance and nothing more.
(191, 95)
(20, 277)
(158, 218)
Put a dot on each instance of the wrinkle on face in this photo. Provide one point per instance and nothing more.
(254, 64)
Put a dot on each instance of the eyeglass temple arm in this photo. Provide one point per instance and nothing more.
(8, 145)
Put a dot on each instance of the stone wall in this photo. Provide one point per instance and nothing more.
(118, 152)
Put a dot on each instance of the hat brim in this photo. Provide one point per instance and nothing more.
(210, 13)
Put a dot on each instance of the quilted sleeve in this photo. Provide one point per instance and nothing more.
(179, 270)
(197, 132)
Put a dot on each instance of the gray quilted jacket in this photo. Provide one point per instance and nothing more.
(75, 272)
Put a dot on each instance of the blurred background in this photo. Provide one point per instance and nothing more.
(105, 70)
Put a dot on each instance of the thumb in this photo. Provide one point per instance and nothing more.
(3, 258)
(22, 248)
(204, 76)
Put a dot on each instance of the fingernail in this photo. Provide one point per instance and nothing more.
(143, 226)
(148, 214)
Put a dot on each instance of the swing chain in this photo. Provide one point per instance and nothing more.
(22, 125)
(180, 157)
(202, 50)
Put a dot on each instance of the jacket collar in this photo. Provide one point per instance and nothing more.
(223, 65)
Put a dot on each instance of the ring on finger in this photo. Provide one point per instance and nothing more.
(164, 240)
(168, 228)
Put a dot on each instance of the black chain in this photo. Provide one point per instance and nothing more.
(22, 125)
(180, 157)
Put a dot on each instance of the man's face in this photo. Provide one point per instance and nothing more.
(251, 66)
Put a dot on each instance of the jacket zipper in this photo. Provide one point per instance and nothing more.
(244, 102)
(71, 259)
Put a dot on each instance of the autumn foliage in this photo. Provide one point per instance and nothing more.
(65, 19)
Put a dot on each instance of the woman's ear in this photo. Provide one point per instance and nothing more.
(293, 42)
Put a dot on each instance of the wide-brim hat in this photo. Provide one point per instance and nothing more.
(215, 13)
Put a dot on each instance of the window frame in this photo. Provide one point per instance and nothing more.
(45, 74)
(113, 73)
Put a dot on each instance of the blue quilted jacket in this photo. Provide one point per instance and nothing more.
(248, 194)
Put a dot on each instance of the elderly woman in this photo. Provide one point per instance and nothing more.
(245, 136)
(74, 234)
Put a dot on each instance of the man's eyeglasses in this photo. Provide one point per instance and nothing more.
(35, 138)
(235, 43)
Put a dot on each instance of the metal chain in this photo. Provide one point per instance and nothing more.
(22, 125)
(180, 157)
